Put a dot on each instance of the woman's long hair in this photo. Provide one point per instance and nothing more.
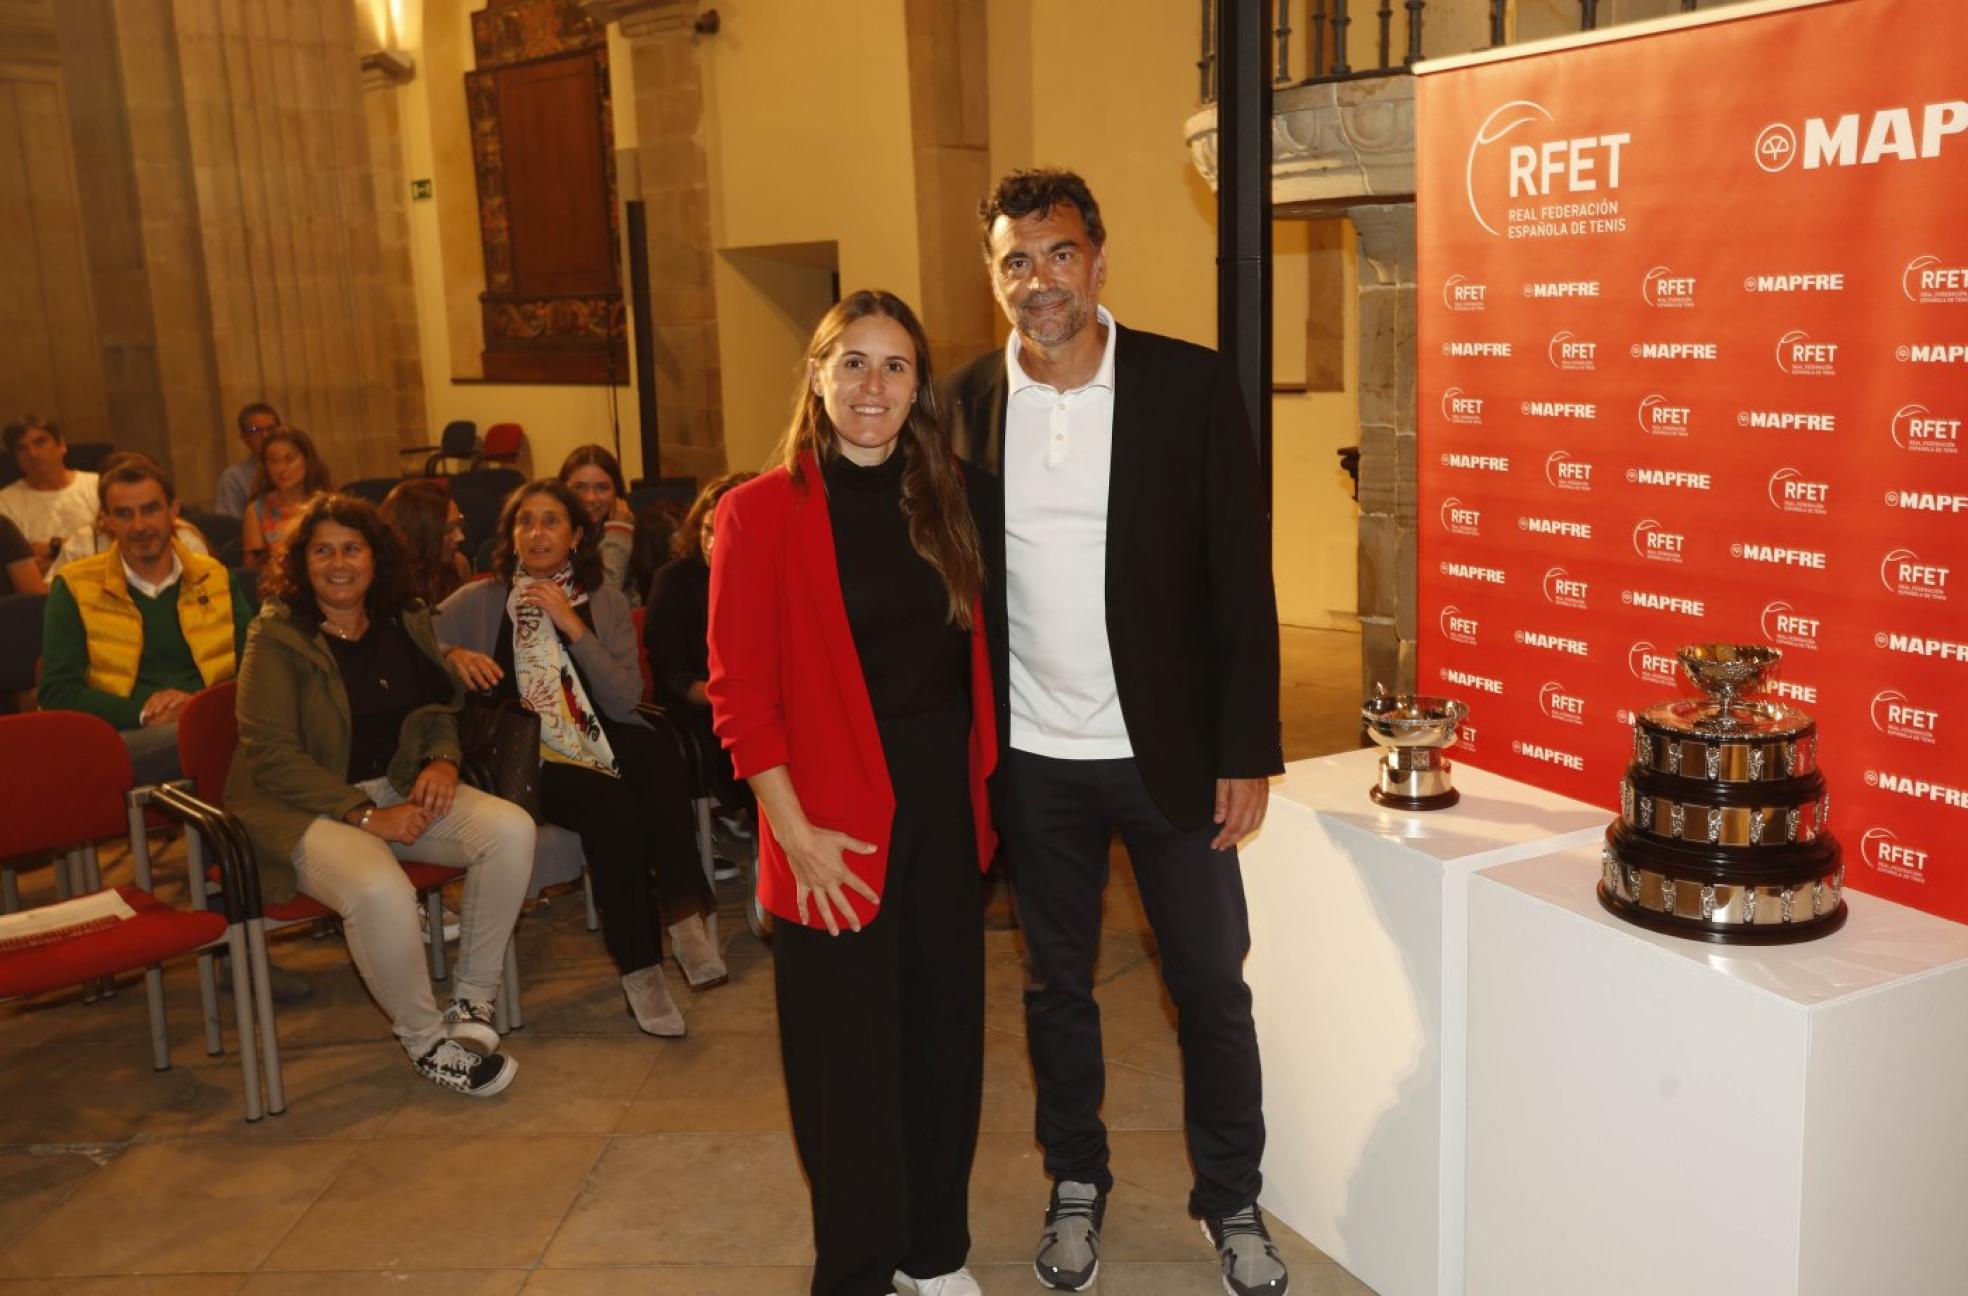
(315, 477)
(286, 576)
(586, 554)
(933, 500)
(420, 510)
(601, 457)
(688, 542)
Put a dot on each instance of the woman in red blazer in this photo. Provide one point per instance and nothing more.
(850, 681)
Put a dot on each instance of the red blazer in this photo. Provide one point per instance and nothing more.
(786, 686)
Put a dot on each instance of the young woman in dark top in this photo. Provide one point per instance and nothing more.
(549, 632)
(850, 682)
(348, 762)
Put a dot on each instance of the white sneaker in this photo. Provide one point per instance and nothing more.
(956, 1283)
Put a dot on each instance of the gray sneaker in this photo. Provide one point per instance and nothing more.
(1069, 1249)
(1251, 1266)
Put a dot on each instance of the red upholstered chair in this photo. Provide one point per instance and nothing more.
(67, 777)
(208, 732)
(502, 442)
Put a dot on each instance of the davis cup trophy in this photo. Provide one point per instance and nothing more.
(1416, 733)
(1721, 834)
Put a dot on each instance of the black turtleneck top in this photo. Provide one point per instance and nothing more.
(913, 657)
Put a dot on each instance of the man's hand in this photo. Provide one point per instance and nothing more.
(1240, 806)
(163, 707)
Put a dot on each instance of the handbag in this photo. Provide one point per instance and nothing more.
(500, 740)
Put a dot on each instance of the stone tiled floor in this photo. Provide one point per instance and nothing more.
(616, 1163)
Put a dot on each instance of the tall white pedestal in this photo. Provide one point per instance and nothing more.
(1649, 1114)
(1357, 970)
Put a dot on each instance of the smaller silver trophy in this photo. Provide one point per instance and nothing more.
(1416, 733)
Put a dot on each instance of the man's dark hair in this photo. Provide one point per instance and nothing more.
(127, 468)
(26, 423)
(1034, 193)
(257, 408)
(286, 575)
(586, 555)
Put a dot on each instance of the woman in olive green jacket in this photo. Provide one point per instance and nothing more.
(348, 762)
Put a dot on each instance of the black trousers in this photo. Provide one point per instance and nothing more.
(639, 839)
(1057, 818)
(882, 1034)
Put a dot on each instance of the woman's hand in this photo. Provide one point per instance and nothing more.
(399, 823)
(476, 669)
(552, 600)
(436, 787)
(821, 875)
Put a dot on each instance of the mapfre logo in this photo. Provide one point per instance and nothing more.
(1457, 627)
(1649, 665)
(1665, 290)
(1521, 183)
(1562, 589)
(1460, 294)
(1568, 351)
(1930, 283)
(1896, 716)
(1799, 355)
(1791, 492)
(1559, 705)
(1459, 519)
(1907, 134)
(1902, 573)
(1884, 852)
(1919, 429)
(1567, 473)
(1661, 417)
(1459, 407)
(1656, 543)
(1784, 624)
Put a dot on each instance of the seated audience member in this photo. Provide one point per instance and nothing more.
(236, 482)
(674, 630)
(19, 573)
(655, 532)
(132, 633)
(431, 528)
(594, 476)
(348, 761)
(290, 474)
(51, 499)
(548, 632)
(88, 541)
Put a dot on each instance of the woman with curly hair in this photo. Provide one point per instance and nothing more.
(348, 762)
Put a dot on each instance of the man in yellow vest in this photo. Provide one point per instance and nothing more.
(131, 633)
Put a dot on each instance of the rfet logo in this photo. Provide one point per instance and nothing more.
(1514, 160)
(1884, 852)
(1567, 350)
(1459, 407)
(1791, 492)
(1798, 353)
(1656, 543)
(1896, 716)
(1559, 705)
(1908, 134)
(1457, 627)
(1459, 519)
(1902, 573)
(1567, 473)
(1918, 428)
(1649, 665)
(1661, 417)
(1927, 281)
(1784, 624)
(1459, 294)
(1562, 589)
(1665, 290)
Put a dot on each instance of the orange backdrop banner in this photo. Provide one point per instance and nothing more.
(1693, 321)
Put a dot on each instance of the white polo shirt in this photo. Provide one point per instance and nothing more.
(1058, 453)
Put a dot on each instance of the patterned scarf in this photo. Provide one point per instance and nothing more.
(570, 731)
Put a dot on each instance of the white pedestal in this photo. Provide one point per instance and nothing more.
(1650, 1114)
(1357, 970)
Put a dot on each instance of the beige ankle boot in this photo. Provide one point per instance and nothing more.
(690, 942)
(650, 1003)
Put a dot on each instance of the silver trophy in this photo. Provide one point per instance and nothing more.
(1416, 733)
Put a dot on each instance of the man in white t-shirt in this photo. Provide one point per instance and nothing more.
(51, 499)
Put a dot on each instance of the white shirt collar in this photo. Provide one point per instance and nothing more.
(147, 588)
(1019, 380)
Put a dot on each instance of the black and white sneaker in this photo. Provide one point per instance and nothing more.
(1069, 1248)
(473, 1022)
(1251, 1265)
(454, 1066)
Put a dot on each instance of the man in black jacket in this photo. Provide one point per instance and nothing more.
(1135, 637)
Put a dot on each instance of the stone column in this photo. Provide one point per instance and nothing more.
(404, 358)
(950, 126)
(1387, 444)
